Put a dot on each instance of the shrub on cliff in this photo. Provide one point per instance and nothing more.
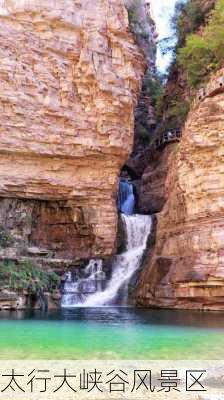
(26, 276)
(6, 239)
(187, 18)
(204, 53)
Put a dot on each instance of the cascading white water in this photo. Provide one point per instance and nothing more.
(124, 266)
(77, 288)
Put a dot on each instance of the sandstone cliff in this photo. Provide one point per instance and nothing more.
(152, 186)
(186, 267)
(70, 75)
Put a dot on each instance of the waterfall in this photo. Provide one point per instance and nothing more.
(80, 285)
(92, 290)
(126, 199)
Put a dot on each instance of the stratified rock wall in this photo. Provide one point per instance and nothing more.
(152, 196)
(186, 269)
(70, 75)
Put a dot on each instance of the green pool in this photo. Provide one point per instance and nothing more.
(112, 333)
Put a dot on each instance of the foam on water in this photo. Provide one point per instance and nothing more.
(89, 292)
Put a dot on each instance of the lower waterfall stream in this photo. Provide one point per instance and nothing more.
(92, 289)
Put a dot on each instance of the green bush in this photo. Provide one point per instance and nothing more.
(188, 17)
(26, 276)
(204, 53)
(6, 239)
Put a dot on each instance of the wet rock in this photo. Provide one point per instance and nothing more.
(121, 236)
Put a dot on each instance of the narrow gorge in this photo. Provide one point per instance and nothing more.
(111, 177)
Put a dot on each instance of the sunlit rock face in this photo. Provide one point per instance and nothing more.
(186, 267)
(70, 75)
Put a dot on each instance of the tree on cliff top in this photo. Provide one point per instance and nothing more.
(204, 51)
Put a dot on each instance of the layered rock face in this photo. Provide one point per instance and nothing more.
(186, 267)
(70, 75)
(152, 194)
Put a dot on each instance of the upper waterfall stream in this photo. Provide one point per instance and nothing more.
(126, 198)
(91, 289)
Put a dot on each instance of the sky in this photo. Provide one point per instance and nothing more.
(162, 13)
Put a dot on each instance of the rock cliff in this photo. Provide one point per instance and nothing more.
(186, 267)
(70, 76)
(152, 186)
(144, 28)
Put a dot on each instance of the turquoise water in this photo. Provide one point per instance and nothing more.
(112, 333)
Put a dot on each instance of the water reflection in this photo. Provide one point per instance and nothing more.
(122, 315)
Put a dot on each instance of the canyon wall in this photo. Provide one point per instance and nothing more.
(144, 29)
(151, 196)
(185, 269)
(70, 76)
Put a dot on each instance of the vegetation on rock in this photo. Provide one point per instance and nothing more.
(28, 277)
(6, 239)
(152, 90)
(187, 19)
(153, 87)
(197, 51)
(204, 51)
(176, 113)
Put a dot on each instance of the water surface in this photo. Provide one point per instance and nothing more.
(111, 333)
